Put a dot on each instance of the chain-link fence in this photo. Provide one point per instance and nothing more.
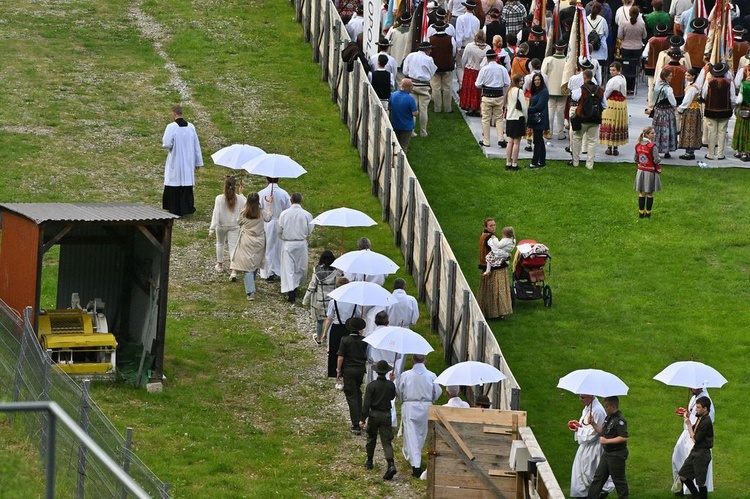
(26, 374)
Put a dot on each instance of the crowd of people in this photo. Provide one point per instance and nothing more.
(482, 47)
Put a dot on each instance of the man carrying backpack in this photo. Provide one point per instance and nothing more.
(587, 118)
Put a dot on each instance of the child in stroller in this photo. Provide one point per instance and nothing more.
(500, 249)
(528, 272)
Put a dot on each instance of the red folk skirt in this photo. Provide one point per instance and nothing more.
(470, 97)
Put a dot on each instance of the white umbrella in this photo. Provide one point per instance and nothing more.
(275, 166)
(236, 155)
(363, 293)
(344, 217)
(365, 262)
(469, 373)
(691, 374)
(400, 340)
(593, 382)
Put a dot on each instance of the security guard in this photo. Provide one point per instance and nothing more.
(614, 439)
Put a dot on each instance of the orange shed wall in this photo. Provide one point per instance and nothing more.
(19, 254)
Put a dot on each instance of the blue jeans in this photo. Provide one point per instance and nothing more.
(249, 280)
(319, 329)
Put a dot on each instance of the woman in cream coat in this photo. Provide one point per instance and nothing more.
(251, 246)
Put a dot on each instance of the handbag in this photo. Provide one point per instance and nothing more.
(519, 106)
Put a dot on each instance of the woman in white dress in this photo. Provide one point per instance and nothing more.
(613, 131)
(227, 207)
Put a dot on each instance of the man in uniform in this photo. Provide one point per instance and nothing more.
(589, 450)
(419, 67)
(277, 199)
(416, 391)
(376, 411)
(295, 225)
(718, 93)
(614, 440)
(494, 81)
(444, 55)
(350, 367)
(684, 442)
(184, 157)
(553, 66)
(699, 460)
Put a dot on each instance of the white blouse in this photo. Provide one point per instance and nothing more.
(616, 83)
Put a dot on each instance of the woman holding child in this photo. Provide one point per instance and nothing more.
(494, 285)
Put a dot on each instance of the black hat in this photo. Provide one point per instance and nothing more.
(424, 46)
(483, 401)
(405, 17)
(561, 44)
(440, 25)
(699, 23)
(490, 54)
(469, 4)
(537, 30)
(584, 63)
(441, 12)
(738, 31)
(529, 19)
(383, 42)
(675, 41)
(719, 69)
(662, 29)
(382, 367)
(355, 324)
(674, 53)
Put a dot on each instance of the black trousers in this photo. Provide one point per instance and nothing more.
(540, 149)
(611, 464)
(353, 392)
(379, 423)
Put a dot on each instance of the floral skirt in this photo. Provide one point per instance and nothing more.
(665, 126)
(470, 97)
(614, 128)
(741, 134)
(691, 133)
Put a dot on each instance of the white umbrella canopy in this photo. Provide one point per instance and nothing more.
(363, 293)
(400, 340)
(469, 373)
(344, 217)
(365, 262)
(691, 374)
(275, 166)
(236, 155)
(593, 382)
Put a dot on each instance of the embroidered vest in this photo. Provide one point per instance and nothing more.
(739, 49)
(442, 52)
(645, 155)
(718, 99)
(655, 46)
(520, 66)
(678, 78)
(695, 44)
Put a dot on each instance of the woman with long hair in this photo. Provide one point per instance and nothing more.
(515, 121)
(598, 25)
(251, 247)
(227, 207)
(663, 119)
(494, 287)
(470, 97)
(323, 282)
(539, 119)
(632, 36)
(691, 131)
(613, 131)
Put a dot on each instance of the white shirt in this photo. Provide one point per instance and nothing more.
(355, 26)
(419, 66)
(691, 92)
(466, 26)
(405, 313)
(678, 7)
(416, 385)
(449, 30)
(616, 83)
(223, 215)
(391, 66)
(456, 402)
(393, 78)
(576, 96)
(456, 8)
(493, 75)
(184, 154)
(295, 224)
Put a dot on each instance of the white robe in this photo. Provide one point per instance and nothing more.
(295, 225)
(589, 451)
(416, 391)
(405, 313)
(184, 155)
(281, 202)
(456, 402)
(685, 444)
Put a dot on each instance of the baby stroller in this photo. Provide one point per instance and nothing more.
(528, 273)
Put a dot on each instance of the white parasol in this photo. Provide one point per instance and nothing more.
(593, 382)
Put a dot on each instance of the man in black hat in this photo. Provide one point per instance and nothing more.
(467, 25)
(655, 45)
(494, 81)
(390, 66)
(419, 67)
(553, 66)
(675, 46)
(376, 411)
(718, 93)
(441, 15)
(537, 43)
(444, 55)
(382, 81)
(399, 37)
(739, 45)
(350, 366)
(695, 42)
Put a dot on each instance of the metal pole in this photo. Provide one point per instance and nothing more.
(126, 456)
(85, 406)
(45, 397)
(50, 467)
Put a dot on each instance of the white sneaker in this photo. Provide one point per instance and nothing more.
(233, 276)
(251, 296)
(423, 133)
(219, 268)
(589, 167)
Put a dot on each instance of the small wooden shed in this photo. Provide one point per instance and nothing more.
(469, 453)
(117, 252)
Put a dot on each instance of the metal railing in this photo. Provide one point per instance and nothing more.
(28, 376)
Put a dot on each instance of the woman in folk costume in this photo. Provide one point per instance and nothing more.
(664, 122)
(589, 448)
(470, 97)
(251, 246)
(648, 177)
(494, 289)
(691, 131)
(741, 134)
(613, 131)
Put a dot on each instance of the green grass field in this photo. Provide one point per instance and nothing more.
(84, 99)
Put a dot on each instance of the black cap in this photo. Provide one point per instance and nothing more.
(719, 69)
(675, 41)
(425, 46)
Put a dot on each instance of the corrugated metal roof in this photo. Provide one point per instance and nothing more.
(87, 212)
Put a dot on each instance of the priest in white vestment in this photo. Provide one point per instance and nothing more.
(454, 400)
(405, 313)
(280, 202)
(589, 448)
(295, 225)
(184, 156)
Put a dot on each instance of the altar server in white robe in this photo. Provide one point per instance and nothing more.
(364, 244)
(589, 449)
(183, 158)
(404, 313)
(685, 444)
(279, 202)
(417, 391)
(295, 225)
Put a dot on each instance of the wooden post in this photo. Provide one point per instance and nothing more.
(344, 93)
(376, 160)
(298, 11)
(307, 19)
(364, 145)
(449, 313)
(354, 100)
(397, 212)
(463, 347)
(387, 164)
(424, 219)
(326, 41)
(481, 339)
(410, 229)
(497, 361)
(316, 32)
(435, 298)
(336, 46)
(515, 399)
